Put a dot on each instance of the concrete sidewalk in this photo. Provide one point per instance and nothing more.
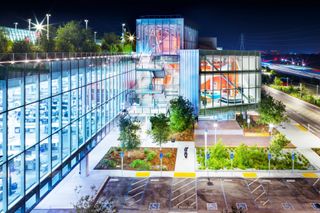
(303, 140)
(63, 195)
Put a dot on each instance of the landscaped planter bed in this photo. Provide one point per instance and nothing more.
(250, 158)
(146, 159)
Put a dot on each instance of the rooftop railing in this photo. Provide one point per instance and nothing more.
(48, 56)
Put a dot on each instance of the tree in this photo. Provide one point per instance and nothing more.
(4, 42)
(181, 114)
(277, 81)
(21, 47)
(73, 38)
(271, 111)
(129, 133)
(111, 43)
(89, 203)
(160, 128)
(278, 142)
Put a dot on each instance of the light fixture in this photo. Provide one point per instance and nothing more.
(131, 37)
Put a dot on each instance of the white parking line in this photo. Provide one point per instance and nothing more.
(186, 200)
(183, 186)
(224, 194)
(136, 188)
(144, 179)
(180, 181)
(131, 197)
(182, 194)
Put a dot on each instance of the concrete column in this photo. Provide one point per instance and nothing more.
(84, 166)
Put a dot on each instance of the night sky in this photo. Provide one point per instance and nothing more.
(288, 26)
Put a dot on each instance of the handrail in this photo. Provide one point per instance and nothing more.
(23, 57)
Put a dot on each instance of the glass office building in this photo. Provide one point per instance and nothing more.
(52, 113)
(228, 79)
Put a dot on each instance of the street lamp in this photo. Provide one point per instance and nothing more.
(95, 37)
(15, 25)
(248, 121)
(215, 125)
(86, 21)
(270, 128)
(131, 39)
(29, 24)
(48, 16)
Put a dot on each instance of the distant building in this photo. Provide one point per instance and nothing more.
(20, 34)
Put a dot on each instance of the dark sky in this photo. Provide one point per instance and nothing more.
(288, 26)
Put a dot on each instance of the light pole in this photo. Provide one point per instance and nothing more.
(269, 160)
(29, 24)
(123, 33)
(48, 17)
(131, 39)
(15, 25)
(205, 147)
(270, 128)
(287, 81)
(292, 158)
(95, 37)
(317, 90)
(248, 121)
(122, 156)
(86, 21)
(215, 125)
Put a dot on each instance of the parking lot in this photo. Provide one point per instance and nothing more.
(164, 194)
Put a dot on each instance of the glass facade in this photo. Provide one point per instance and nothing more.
(20, 34)
(52, 113)
(164, 36)
(228, 78)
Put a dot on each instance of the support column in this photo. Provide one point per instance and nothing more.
(84, 166)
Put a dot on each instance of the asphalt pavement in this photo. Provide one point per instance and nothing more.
(304, 113)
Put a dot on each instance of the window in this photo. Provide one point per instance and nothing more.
(15, 179)
(44, 158)
(31, 167)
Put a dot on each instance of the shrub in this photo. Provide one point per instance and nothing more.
(279, 141)
(151, 155)
(146, 151)
(109, 163)
(168, 155)
(140, 165)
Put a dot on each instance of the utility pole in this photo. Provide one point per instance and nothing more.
(48, 16)
(242, 42)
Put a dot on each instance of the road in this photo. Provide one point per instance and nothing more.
(300, 111)
(294, 70)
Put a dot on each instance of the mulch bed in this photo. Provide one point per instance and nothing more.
(129, 156)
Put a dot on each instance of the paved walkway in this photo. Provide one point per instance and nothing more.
(63, 195)
(303, 140)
